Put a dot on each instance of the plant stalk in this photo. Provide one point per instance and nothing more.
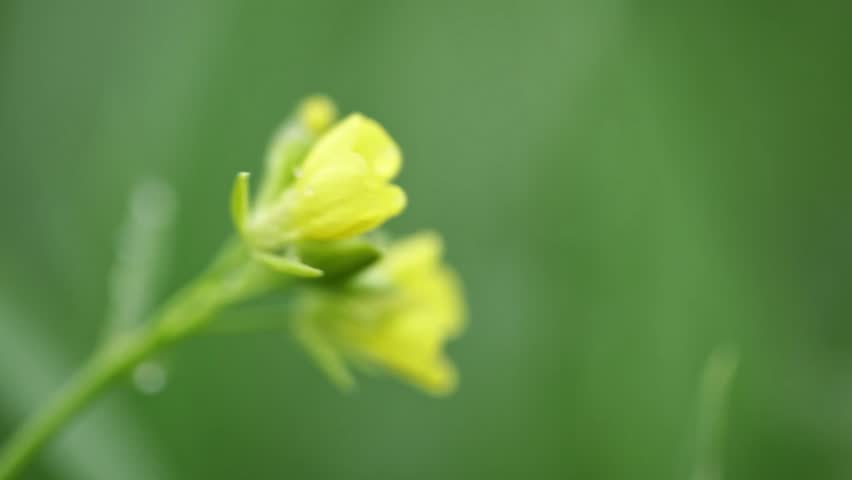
(230, 279)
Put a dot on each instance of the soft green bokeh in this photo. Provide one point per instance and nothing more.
(623, 186)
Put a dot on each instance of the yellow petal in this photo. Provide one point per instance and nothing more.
(359, 134)
(342, 201)
(402, 329)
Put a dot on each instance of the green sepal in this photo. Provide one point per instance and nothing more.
(240, 201)
(286, 264)
(340, 258)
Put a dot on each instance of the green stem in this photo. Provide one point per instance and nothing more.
(92, 379)
(231, 279)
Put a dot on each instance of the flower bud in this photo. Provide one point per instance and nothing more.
(317, 113)
(341, 190)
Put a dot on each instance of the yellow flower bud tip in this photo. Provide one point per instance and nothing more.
(363, 136)
(402, 328)
(317, 113)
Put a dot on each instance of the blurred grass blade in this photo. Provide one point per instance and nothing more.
(716, 380)
(142, 253)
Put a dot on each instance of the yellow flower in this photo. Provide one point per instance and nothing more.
(397, 315)
(342, 188)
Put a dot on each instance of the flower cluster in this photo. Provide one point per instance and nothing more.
(326, 185)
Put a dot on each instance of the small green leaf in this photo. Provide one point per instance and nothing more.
(288, 265)
(240, 201)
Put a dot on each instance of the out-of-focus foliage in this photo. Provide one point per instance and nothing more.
(622, 185)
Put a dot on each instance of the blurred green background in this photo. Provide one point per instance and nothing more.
(624, 186)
